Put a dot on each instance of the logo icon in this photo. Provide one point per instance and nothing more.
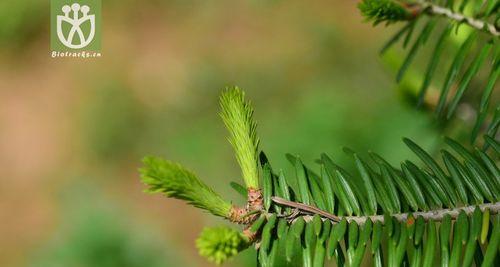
(76, 21)
(75, 28)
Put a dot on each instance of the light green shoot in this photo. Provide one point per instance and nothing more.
(237, 115)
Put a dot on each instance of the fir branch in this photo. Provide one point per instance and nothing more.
(173, 180)
(308, 211)
(434, 9)
(333, 195)
(237, 115)
(391, 11)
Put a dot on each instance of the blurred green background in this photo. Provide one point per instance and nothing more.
(73, 131)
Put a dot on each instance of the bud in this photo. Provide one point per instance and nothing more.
(220, 243)
(386, 11)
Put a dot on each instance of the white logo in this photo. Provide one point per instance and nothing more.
(76, 21)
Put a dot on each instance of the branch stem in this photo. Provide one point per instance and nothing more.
(434, 9)
(307, 211)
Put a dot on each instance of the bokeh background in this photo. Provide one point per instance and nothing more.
(73, 131)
